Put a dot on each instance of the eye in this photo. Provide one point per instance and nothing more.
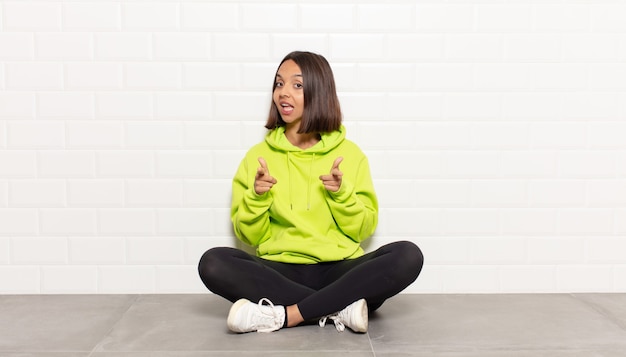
(278, 84)
(299, 85)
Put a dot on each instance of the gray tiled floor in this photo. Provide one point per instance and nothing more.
(561, 325)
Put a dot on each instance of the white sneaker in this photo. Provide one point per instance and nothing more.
(354, 316)
(246, 316)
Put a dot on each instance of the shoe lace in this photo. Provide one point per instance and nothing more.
(336, 319)
(268, 320)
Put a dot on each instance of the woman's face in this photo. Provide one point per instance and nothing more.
(289, 92)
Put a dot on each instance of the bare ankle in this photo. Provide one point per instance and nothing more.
(293, 316)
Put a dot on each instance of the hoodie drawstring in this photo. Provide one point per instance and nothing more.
(309, 183)
(308, 195)
(290, 185)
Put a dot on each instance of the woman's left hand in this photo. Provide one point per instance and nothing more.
(332, 182)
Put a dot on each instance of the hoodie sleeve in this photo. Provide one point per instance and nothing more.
(355, 206)
(249, 211)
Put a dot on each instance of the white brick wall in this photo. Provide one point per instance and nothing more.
(495, 131)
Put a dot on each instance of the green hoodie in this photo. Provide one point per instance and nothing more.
(298, 220)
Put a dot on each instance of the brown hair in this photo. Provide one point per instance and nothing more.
(322, 113)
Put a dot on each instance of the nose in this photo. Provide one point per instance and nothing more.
(283, 92)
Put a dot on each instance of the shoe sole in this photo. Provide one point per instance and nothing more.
(233, 312)
(362, 324)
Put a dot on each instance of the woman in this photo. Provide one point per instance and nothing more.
(304, 198)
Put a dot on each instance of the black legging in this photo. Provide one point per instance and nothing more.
(318, 289)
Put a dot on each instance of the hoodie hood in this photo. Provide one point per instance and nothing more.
(277, 140)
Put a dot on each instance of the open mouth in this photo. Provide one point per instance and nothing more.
(286, 108)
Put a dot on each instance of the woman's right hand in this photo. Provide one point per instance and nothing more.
(263, 181)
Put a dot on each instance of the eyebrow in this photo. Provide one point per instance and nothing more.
(295, 75)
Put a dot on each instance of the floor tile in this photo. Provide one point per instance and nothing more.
(500, 353)
(465, 324)
(612, 306)
(531, 325)
(49, 323)
(198, 323)
(232, 354)
(45, 354)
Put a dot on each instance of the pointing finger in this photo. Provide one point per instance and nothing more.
(262, 170)
(263, 164)
(263, 173)
(335, 171)
(337, 162)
